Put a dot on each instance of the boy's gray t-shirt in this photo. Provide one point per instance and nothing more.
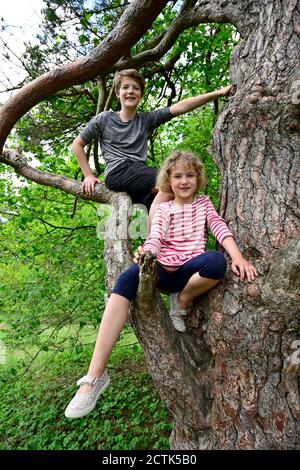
(121, 140)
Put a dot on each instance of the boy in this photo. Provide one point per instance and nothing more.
(123, 139)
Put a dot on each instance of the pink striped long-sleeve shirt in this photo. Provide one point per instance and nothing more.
(179, 233)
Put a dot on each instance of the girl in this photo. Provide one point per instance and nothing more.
(177, 238)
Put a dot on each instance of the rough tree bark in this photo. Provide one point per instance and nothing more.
(232, 381)
(252, 329)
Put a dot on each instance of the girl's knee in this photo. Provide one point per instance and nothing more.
(127, 283)
(220, 263)
(130, 276)
(215, 265)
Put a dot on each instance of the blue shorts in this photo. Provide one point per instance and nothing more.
(211, 264)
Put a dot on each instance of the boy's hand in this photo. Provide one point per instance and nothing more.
(138, 254)
(243, 268)
(225, 90)
(89, 183)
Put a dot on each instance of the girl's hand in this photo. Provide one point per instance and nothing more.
(138, 254)
(243, 268)
(89, 183)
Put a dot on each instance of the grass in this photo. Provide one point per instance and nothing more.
(128, 416)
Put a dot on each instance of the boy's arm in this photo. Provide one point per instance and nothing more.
(194, 102)
(240, 266)
(90, 180)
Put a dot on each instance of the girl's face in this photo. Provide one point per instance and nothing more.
(183, 181)
(130, 93)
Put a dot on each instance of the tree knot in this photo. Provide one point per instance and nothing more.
(148, 279)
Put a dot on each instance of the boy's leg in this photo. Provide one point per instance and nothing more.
(135, 178)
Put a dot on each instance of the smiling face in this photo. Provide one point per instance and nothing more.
(129, 93)
(183, 181)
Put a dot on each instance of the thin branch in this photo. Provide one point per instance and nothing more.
(110, 97)
(73, 229)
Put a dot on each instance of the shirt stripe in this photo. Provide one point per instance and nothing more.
(180, 233)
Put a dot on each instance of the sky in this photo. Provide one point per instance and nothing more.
(23, 18)
(21, 12)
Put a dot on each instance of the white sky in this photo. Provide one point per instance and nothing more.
(23, 18)
(21, 12)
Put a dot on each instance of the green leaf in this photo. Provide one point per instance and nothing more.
(83, 38)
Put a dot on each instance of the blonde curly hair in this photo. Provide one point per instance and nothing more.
(190, 159)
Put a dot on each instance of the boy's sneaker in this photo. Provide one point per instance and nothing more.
(83, 403)
(177, 313)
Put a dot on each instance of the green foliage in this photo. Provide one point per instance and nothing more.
(51, 271)
(129, 415)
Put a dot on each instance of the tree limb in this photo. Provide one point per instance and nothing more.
(190, 16)
(20, 165)
(136, 20)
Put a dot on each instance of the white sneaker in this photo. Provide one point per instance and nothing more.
(174, 307)
(83, 403)
(177, 313)
(178, 323)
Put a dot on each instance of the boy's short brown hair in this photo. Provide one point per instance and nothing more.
(132, 73)
(190, 159)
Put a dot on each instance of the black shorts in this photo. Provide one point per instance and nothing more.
(136, 179)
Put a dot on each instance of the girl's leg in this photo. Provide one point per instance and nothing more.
(211, 267)
(195, 277)
(114, 317)
(113, 320)
(196, 286)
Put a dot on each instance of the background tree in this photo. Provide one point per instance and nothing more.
(232, 381)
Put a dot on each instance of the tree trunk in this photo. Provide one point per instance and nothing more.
(253, 328)
(232, 381)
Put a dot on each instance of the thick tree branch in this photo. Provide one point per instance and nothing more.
(185, 20)
(151, 323)
(20, 165)
(191, 16)
(136, 20)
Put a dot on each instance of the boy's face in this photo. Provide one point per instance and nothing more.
(130, 93)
